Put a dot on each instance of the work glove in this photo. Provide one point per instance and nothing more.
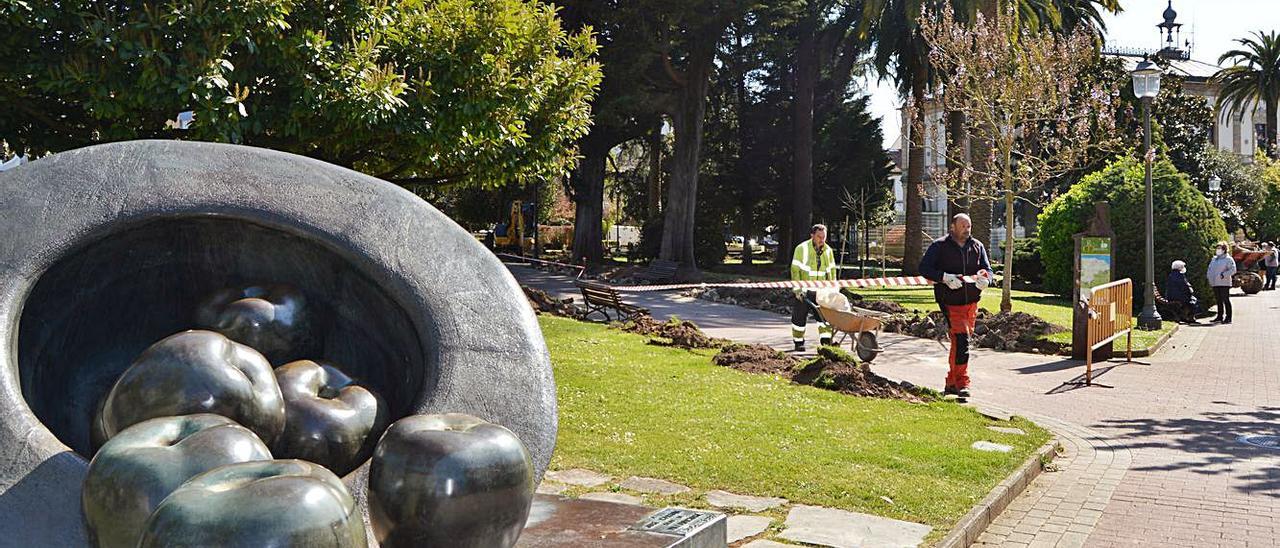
(982, 280)
(952, 281)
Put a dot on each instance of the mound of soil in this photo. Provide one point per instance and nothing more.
(881, 306)
(839, 371)
(834, 369)
(1009, 331)
(680, 333)
(544, 303)
(756, 358)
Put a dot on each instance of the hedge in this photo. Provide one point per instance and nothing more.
(1186, 225)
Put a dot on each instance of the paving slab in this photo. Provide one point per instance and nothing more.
(551, 488)
(768, 544)
(622, 498)
(741, 527)
(993, 447)
(725, 499)
(844, 529)
(994, 413)
(1003, 430)
(653, 486)
(579, 476)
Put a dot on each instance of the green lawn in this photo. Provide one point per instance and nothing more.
(629, 408)
(1051, 308)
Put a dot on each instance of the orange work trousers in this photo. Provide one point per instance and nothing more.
(961, 318)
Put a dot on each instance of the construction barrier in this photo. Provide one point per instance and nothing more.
(1110, 317)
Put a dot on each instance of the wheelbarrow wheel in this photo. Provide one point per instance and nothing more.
(866, 346)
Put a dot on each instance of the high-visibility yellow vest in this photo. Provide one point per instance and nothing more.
(808, 264)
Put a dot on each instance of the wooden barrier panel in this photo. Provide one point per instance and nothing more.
(1110, 317)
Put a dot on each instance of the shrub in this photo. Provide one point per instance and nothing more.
(1027, 265)
(1186, 225)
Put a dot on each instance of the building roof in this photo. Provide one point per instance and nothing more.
(1189, 69)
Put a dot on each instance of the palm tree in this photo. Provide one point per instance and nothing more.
(1254, 78)
(902, 55)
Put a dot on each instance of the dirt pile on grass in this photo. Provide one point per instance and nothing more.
(1008, 331)
(543, 303)
(756, 358)
(679, 333)
(833, 369)
(837, 370)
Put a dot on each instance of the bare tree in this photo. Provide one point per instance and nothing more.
(1028, 96)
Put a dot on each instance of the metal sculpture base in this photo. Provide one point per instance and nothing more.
(559, 522)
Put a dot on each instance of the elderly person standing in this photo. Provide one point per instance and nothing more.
(1180, 294)
(1272, 262)
(1221, 269)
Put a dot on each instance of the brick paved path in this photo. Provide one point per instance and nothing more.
(1154, 461)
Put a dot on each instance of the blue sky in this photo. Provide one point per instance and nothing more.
(1210, 24)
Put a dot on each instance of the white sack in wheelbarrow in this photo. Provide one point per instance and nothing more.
(833, 299)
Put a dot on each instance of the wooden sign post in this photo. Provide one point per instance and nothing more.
(1095, 259)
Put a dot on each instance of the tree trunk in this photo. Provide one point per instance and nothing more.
(1006, 294)
(655, 170)
(981, 209)
(1271, 129)
(802, 133)
(1030, 219)
(912, 247)
(682, 193)
(588, 222)
(957, 158)
(746, 193)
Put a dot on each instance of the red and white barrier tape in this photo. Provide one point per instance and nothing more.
(890, 281)
(893, 281)
(522, 258)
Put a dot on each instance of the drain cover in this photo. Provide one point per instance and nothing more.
(1265, 442)
(676, 521)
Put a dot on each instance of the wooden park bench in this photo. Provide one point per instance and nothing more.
(602, 297)
(659, 271)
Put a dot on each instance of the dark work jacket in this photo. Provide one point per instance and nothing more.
(945, 256)
(1177, 288)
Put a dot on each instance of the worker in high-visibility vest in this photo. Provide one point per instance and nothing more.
(812, 260)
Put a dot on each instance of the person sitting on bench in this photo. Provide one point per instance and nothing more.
(1180, 294)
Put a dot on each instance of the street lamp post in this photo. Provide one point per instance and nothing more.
(1146, 85)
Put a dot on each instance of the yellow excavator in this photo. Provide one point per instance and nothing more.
(516, 234)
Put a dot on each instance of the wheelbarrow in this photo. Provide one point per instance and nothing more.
(859, 323)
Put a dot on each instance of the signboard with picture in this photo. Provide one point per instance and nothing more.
(1095, 263)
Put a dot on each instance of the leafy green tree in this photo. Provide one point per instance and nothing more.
(475, 92)
(1185, 123)
(623, 110)
(850, 164)
(1186, 223)
(1262, 217)
(1255, 78)
(1243, 188)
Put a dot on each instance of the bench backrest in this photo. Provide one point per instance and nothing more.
(599, 293)
(660, 270)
